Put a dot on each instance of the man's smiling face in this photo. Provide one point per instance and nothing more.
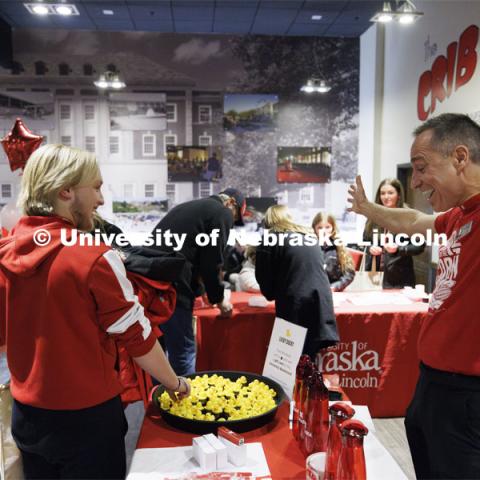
(435, 175)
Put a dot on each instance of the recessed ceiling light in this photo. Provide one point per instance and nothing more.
(64, 10)
(107, 12)
(40, 10)
(316, 17)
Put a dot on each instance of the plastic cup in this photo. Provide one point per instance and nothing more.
(315, 466)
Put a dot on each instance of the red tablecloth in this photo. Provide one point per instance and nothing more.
(284, 458)
(376, 360)
(281, 450)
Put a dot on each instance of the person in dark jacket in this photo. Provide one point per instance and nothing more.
(146, 261)
(202, 267)
(338, 262)
(294, 276)
(394, 260)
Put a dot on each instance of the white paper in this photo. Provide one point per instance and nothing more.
(257, 301)
(284, 350)
(368, 299)
(339, 298)
(177, 462)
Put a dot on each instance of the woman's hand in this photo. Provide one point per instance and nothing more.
(391, 247)
(375, 251)
(181, 391)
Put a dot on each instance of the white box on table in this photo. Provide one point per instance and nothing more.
(204, 454)
(236, 448)
(220, 450)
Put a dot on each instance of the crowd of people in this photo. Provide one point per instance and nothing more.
(68, 420)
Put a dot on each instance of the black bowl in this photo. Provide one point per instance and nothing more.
(204, 426)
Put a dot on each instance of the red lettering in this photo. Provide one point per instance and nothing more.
(451, 53)
(439, 71)
(467, 56)
(424, 89)
(432, 82)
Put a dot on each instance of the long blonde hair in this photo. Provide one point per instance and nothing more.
(344, 258)
(49, 170)
(278, 219)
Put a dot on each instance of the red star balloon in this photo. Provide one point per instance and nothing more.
(19, 144)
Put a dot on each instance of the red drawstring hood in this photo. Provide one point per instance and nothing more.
(20, 255)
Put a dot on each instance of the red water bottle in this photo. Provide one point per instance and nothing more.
(339, 412)
(351, 463)
(297, 393)
(307, 373)
(316, 420)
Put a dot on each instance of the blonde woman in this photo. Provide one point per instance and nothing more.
(66, 310)
(338, 262)
(293, 276)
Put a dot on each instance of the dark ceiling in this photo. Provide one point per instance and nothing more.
(340, 18)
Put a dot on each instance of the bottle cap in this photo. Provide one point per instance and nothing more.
(341, 409)
(353, 428)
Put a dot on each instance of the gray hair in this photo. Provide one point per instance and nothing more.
(450, 130)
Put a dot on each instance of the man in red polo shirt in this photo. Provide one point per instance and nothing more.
(443, 419)
(63, 311)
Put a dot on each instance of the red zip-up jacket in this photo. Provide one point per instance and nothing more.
(61, 311)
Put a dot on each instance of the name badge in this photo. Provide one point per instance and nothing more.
(465, 230)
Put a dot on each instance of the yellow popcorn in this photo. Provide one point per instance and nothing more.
(216, 398)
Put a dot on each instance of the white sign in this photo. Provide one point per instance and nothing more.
(284, 350)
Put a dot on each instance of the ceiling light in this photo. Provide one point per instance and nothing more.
(406, 19)
(109, 80)
(117, 84)
(107, 12)
(64, 10)
(308, 88)
(101, 82)
(315, 85)
(407, 13)
(40, 9)
(316, 17)
(322, 87)
(385, 15)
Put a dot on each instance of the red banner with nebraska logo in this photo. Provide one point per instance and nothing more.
(376, 359)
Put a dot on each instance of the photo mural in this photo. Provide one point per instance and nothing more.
(238, 95)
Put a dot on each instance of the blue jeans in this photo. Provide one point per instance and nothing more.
(180, 341)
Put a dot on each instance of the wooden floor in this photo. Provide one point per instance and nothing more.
(391, 433)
